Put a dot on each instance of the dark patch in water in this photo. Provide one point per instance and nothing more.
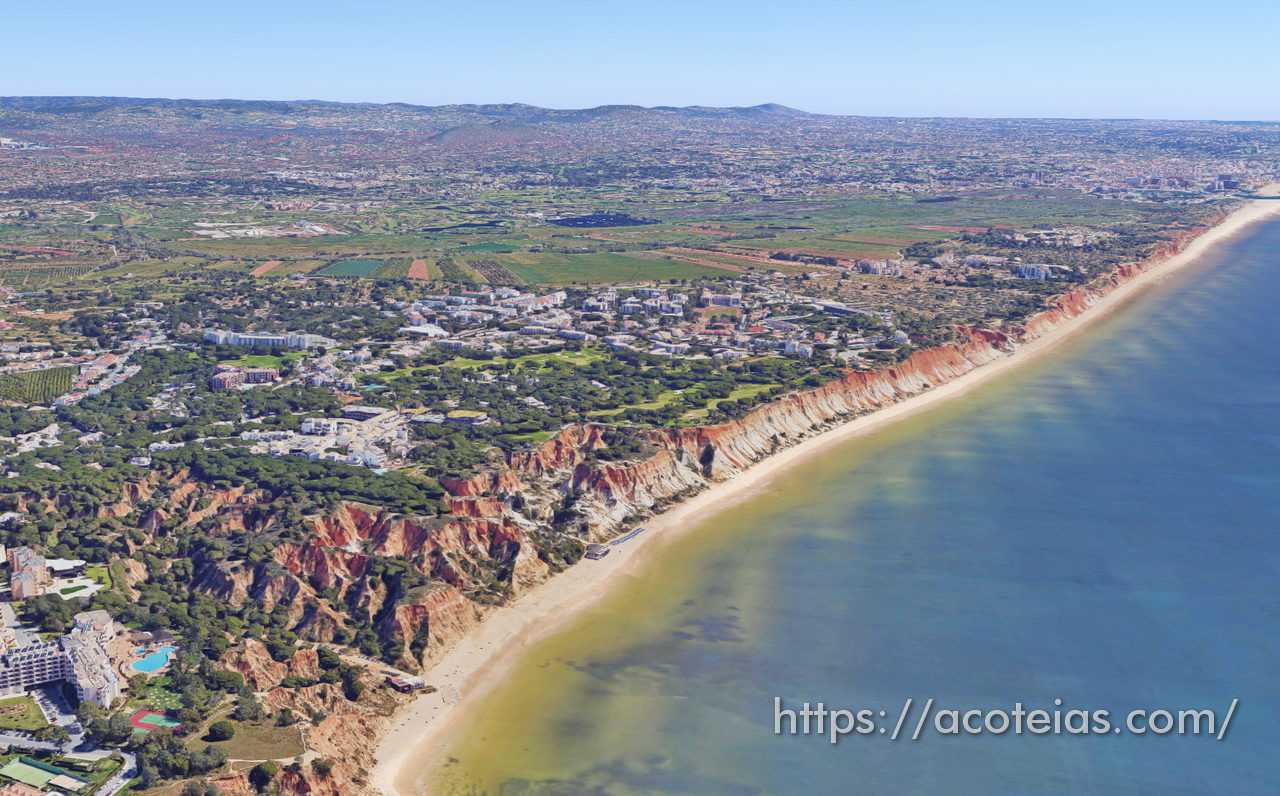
(713, 629)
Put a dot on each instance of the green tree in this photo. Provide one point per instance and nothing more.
(221, 731)
(262, 774)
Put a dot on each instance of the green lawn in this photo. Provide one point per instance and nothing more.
(265, 360)
(98, 572)
(534, 437)
(581, 357)
(21, 713)
(99, 774)
(741, 391)
(657, 403)
(259, 743)
(156, 694)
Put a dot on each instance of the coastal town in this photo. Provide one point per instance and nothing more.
(754, 317)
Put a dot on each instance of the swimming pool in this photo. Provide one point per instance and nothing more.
(155, 660)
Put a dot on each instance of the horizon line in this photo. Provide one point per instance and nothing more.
(780, 107)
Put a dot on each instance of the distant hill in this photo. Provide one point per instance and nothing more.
(511, 111)
(98, 104)
(87, 120)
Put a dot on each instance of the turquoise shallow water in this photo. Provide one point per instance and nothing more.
(1100, 527)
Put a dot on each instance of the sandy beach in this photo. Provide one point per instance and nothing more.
(421, 730)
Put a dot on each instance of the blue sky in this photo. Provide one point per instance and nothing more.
(1122, 58)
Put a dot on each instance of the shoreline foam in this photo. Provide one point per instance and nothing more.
(420, 730)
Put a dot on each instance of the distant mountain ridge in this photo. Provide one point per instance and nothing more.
(565, 136)
(463, 126)
(514, 109)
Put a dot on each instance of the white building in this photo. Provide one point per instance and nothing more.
(80, 658)
(265, 340)
(326, 426)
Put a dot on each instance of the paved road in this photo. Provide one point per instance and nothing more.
(25, 635)
(127, 771)
(22, 741)
(58, 711)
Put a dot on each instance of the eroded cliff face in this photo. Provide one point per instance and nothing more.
(262, 672)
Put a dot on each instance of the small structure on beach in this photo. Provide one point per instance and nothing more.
(595, 552)
(406, 685)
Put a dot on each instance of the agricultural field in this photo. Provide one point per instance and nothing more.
(265, 268)
(423, 269)
(238, 266)
(353, 268)
(142, 269)
(311, 247)
(495, 273)
(455, 270)
(34, 277)
(35, 386)
(397, 268)
(289, 267)
(492, 238)
(601, 268)
(484, 248)
(734, 263)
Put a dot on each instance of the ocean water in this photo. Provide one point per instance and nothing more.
(1099, 527)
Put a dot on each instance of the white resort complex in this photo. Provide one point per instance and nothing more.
(79, 658)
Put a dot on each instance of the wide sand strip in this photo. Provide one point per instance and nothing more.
(421, 729)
